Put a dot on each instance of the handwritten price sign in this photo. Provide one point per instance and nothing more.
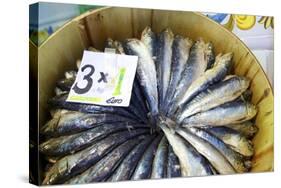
(104, 79)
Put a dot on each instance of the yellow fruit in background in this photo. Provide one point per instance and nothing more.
(244, 22)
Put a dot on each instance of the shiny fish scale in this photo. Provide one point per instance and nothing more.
(215, 95)
(105, 166)
(159, 166)
(232, 112)
(195, 66)
(146, 72)
(72, 165)
(192, 163)
(236, 160)
(64, 145)
(127, 167)
(181, 47)
(211, 76)
(164, 60)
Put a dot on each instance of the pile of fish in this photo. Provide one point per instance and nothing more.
(189, 115)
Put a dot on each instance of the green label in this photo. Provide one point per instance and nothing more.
(117, 90)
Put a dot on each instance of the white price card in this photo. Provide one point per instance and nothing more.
(104, 79)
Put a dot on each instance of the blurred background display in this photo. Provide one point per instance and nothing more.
(257, 32)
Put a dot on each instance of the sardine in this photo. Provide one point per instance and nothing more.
(70, 74)
(51, 159)
(211, 76)
(106, 165)
(238, 161)
(191, 162)
(247, 128)
(173, 166)
(210, 55)
(159, 166)
(63, 145)
(180, 52)
(232, 138)
(136, 109)
(217, 160)
(195, 67)
(214, 96)
(115, 45)
(164, 60)
(72, 165)
(247, 95)
(65, 84)
(146, 72)
(144, 167)
(59, 91)
(149, 38)
(229, 113)
(109, 43)
(138, 96)
(118, 46)
(74, 122)
(127, 167)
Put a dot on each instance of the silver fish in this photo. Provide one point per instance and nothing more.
(164, 60)
(148, 37)
(145, 71)
(229, 113)
(65, 84)
(215, 95)
(127, 167)
(237, 160)
(70, 74)
(114, 44)
(191, 162)
(118, 46)
(218, 161)
(195, 67)
(144, 167)
(247, 95)
(74, 122)
(109, 43)
(106, 165)
(234, 140)
(71, 165)
(246, 128)
(159, 166)
(210, 55)
(211, 76)
(173, 166)
(181, 47)
(63, 145)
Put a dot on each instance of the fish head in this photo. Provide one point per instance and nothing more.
(133, 46)
(251, 110)
(244, 82)
(147, 32)
(199, 44)
(168, 33)
(164, 122)
(70, 74)
(209, 54)
(50, 125)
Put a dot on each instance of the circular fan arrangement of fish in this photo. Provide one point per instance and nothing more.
(188, 116)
